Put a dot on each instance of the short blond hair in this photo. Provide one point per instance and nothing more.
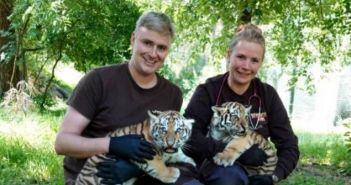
(156, 21)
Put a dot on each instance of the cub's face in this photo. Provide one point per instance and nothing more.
(169, 130)
(230, 118)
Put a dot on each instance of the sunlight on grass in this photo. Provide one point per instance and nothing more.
(68, 74)
(27, 150)
(30, 164)
(328, 149)
(299, 177)
(34, 133)
(38, 171)
(322, 158)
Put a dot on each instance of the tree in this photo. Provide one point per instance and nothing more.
(299, 34)
(87, 33)
(9, 73)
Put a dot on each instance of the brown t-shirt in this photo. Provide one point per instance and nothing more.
(111, 99)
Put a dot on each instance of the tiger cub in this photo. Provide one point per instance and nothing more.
(167, 130)
(230, 124)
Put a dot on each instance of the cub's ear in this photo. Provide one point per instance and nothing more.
(189, 121)
(248, 109)
(153, 114)
(217, 109)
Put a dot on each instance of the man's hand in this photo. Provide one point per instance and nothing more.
(261, 180)
(133, 147)
(254, 156)
(117, 171)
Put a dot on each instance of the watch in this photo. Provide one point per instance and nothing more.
(275, 179)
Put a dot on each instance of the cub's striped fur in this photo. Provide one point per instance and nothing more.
(230, 124)
(167, 130)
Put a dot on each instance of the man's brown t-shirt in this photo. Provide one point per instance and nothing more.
(111, 99)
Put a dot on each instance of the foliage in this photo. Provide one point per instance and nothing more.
(99, 31)
(87, 32)
(300, 34)
(18, 99)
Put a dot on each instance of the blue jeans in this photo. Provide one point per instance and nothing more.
(188, 176)
(219, 175)
(193, 182)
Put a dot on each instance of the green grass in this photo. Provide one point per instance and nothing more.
(327, 149)
(303, 178)
(22, 163)
(323, 160)
(27, 154)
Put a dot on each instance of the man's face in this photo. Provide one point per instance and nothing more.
(149, 50)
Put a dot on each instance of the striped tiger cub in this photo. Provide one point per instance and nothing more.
(230, 124)
(168, 131)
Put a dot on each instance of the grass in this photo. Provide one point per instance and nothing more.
(324, 160)
(27, 155)
(23, 163)
(324, 149)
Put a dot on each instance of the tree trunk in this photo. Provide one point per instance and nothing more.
(6, 68)
(244, 17)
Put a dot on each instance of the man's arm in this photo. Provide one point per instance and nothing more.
(70, 142)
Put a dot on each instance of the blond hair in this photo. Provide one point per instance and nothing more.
(250, 33)
(156, 21)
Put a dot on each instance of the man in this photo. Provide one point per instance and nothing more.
(116, 96)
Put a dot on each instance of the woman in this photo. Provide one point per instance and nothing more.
(268, 115)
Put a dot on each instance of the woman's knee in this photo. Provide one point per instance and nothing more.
(193, 182)
(232, 175)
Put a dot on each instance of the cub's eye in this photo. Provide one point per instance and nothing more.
(162, 130)
(234, 115)
(181, 132)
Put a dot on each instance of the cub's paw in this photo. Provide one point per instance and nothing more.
(171, 176)
(223, 159)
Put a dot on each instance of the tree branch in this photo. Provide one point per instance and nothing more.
(33, 49)
(52, 75)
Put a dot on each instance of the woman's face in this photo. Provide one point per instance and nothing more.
(245, 59)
